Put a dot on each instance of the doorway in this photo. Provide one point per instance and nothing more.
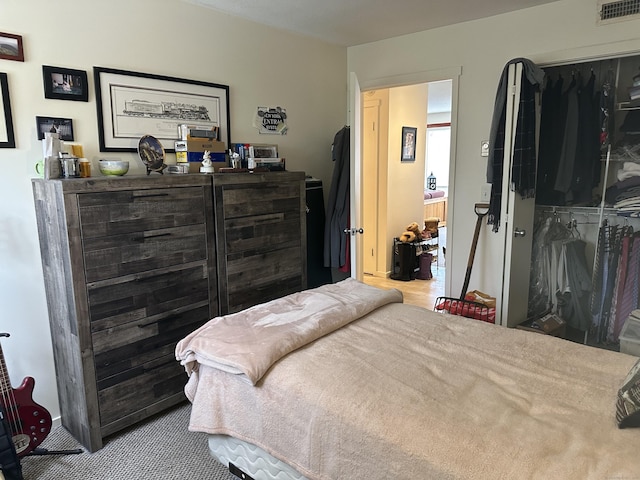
(390, 199)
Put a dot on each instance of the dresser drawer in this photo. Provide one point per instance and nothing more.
(114, 213)
(117, 361)
(118, 255)
(148, 384)
(136, 299)
(260, 199)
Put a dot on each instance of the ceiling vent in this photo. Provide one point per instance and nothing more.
(622, 10)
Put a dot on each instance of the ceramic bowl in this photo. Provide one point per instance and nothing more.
(114, 167)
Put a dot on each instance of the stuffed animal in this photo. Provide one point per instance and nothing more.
(411, 234)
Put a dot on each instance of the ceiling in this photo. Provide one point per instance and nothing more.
(355, 22)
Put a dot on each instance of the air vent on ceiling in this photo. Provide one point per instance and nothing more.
(610, 12)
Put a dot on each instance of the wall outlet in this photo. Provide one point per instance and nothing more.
(485, 193)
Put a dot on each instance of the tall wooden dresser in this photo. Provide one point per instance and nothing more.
(130, 268)
(261, 237)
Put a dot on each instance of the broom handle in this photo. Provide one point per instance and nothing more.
(474, 244)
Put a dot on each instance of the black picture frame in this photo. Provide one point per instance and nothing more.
(11, 47)
(62, 126)
(7, 137)
(65, 84)
(408, 152)
(131, 105)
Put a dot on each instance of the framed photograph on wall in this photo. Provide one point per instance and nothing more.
(7, 139)
(62, 126)
(131, 105)
(408, 144)
(11, 47)
(65, 84)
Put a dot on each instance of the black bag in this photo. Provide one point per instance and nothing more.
(9, 461)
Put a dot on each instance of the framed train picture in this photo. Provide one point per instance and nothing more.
(131, 105)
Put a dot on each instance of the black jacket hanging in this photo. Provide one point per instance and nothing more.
(523, 169)
(335, 240)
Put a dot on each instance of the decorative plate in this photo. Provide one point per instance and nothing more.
(151, 153)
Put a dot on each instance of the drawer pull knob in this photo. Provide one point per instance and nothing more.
(149, 195)
(144, 238)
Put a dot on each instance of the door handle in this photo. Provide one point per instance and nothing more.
(517, 232)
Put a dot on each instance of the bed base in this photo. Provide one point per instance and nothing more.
(248, 461)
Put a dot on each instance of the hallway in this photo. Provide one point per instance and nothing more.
(416, 292)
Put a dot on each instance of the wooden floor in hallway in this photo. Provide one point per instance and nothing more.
(416, 292)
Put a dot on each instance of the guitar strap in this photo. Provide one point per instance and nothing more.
(9, 461)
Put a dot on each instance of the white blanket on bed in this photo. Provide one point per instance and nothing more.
(407, 393)
(247, 343)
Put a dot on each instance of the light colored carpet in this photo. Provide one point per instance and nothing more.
(159, 448)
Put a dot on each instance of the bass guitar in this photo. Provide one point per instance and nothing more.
(29, 423)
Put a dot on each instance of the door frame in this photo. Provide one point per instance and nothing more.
(356, 87)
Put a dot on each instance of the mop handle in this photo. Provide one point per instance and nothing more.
(474, 244)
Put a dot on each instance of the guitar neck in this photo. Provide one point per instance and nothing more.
(5, 382)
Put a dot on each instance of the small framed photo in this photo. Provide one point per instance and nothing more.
(408, 144)
(65, 84)
(263, 151)
(62, 126)
(11, 47)
(7, 137)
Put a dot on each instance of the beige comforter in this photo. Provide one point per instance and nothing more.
(409, 393)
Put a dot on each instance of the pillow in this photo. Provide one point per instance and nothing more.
(628, 405)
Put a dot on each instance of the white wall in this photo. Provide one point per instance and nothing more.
(407, 107)
(560, 31)
(262, 66)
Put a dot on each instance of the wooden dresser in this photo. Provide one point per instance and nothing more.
(130, 268)
(261, 237)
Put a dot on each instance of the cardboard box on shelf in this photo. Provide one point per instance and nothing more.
(214, 157)
(202, 144)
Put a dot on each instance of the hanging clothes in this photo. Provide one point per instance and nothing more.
(616, 279)
(574, 284)
(523, 170)
(337, 220)
(552, 123)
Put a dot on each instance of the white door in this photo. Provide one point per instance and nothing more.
(370, 141)
(516, 224)
(355, 185)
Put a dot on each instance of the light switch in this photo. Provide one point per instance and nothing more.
(485, 193)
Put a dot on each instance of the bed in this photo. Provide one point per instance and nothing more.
(345, 381)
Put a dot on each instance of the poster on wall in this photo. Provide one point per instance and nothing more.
(271, 120)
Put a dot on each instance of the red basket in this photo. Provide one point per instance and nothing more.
(465, 308)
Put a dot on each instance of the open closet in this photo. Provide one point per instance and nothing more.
(586, 245)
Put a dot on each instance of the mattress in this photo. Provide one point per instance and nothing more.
(404, 393)
(250, 459)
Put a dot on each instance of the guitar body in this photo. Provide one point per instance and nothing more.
(29, 422)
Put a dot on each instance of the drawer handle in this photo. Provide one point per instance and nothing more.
(149, 195)
(143, 238)
(160, 365)
(153, 322)
(147, 324)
